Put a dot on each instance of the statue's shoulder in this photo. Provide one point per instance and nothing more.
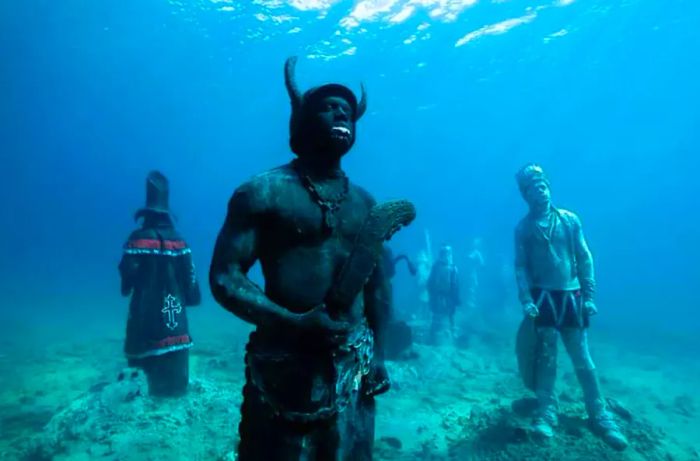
(148, 240)
(261, 188)
(569, 217)
(270, 179)
(172, 234)
(363, 194)
(142, 234)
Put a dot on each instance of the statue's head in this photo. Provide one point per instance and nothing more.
(445, 254)
(322, 126)
(534, 186)
(156, 212)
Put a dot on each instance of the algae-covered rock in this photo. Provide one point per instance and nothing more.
(684, 405)
(119, 421)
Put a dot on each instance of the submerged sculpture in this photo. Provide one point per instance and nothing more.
(556, 286)
(315, 361)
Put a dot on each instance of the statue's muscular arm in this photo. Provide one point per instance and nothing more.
(234, 254)
(377, 300)
(376, 292)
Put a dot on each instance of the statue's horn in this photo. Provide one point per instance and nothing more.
(290, 81)
(362, 105)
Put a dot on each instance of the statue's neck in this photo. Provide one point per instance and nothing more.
(540, 212)
(320, 168)
(158, 223)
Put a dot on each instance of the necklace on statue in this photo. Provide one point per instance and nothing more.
(328, 205)
(546, 230)
(546, 226)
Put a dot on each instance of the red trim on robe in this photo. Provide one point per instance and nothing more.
(155, 244)
(172, 341)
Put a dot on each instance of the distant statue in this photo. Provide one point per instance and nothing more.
(443, 286)
(399, 336)
(157, 271)
(392, 261)
(475, 266)
(556, 285)
(424, 264)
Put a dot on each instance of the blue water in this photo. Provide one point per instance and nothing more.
(603, 94)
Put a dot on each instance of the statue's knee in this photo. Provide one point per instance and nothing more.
(547, 334)
(548, 338)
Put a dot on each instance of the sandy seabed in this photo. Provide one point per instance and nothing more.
(61, 400)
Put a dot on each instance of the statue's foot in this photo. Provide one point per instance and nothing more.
(542, 428)
(616, 440)
(610, 432)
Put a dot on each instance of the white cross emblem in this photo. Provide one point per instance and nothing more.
(171, 307)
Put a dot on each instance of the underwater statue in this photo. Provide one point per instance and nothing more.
(157, 271)
(399, 336)
(391, 261)
(424, 263)
(314, 363)
(443, 287)
(475, 266)
(556, 287)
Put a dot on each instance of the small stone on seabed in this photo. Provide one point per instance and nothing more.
(393, 442)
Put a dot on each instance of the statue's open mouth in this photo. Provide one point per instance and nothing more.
(340, 132)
